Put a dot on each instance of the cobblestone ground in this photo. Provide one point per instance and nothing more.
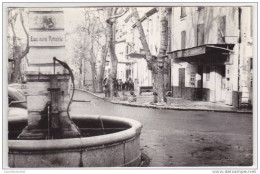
(182, 138)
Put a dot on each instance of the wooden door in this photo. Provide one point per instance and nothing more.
(181, 81)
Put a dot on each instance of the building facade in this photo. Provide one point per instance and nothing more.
(211, 54)
(124, 70)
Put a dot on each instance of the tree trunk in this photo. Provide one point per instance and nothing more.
(100, 75)
(93, 70)
(113, 57)
(159, 86)
(80, 74)
(16, 72)
(161, 56)
(100, 79)
(94, 76)
(111, 46)
(99, 88)
(80, 81)
(114, 61)
(16, 75)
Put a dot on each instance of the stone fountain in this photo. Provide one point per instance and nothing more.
(49, 136)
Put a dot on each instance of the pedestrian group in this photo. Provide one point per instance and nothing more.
(119, 85)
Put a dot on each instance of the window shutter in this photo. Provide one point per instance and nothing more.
(183, 39)
(183, 12)
(200, 34)
(222, 29)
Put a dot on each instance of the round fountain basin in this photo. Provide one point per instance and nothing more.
(107, 141)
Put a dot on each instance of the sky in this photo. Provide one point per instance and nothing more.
(72, 17)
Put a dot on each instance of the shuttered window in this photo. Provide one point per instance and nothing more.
(183, 12)
(183, 39)
(200, 34)
(222, 29)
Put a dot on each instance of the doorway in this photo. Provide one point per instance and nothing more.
(199, 95)
(181, 81)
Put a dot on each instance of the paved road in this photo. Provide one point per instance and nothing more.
(182, 138)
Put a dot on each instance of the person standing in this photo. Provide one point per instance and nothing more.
(130, 85)
(126, 85)
(120, 84)
(123, 85)
(105, 84)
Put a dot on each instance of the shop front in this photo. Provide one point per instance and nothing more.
(199, 73)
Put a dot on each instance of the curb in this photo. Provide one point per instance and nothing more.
(180, 108)
(90, 93)
(167, 107)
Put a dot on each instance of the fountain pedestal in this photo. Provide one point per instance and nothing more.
(48, 86)
(40, 101)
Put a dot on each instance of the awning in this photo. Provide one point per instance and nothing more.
(137, 55)
(204, 53)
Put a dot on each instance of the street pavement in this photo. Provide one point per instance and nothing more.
(176, 138)
(145, 100)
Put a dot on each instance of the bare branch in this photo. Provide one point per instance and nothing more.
(12, 20)
(149, 58)
(115, 10)
(112, 19)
